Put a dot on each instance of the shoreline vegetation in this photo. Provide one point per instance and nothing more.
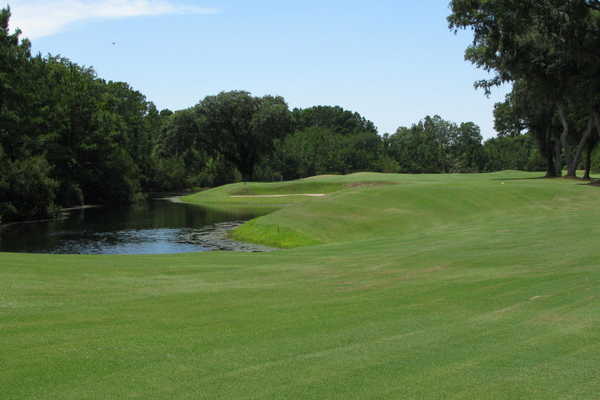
(218, 237)
(59, 214)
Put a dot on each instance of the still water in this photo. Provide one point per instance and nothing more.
(153, 227)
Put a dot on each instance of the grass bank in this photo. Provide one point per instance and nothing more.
(430, 286)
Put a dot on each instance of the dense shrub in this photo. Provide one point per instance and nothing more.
(26, 189)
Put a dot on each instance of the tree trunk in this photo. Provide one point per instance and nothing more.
(548, 152)
(564, 139)
(588, 163)
(590, 149)
(246, 167)
(247, 172)
(557, 159)
(550, 169)
(582, 143)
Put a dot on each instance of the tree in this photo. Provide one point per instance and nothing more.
(507, 121)
(181, 157)
(537, 116)
(335, 118)
(15, 57)
(552, 45)
(435, 145)
(26, 188)
(362, 151)
(312, 151)
(510, 152)
(241, 127)
(592, 144)
(465, 148)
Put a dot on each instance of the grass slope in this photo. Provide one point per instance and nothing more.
(447, 286)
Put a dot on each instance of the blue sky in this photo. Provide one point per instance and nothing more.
(393, 61)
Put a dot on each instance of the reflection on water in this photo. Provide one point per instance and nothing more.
(154, 227)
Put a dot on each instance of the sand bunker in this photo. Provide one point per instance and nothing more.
(280, 195)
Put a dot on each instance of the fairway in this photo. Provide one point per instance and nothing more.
(471, 286)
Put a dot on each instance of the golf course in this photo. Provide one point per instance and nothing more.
(387, 286)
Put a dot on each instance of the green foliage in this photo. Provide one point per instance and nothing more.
(437, 146)
(179, 138)
(266, 172)
(514, 153)
(507, 120)
(15, 89)
(388, 165)
(69, 194)
(91, 140)
(595, 160)
(362, 151)
(114, 179)
(169, 174)
(335, 118)
(241, 128)
(465, 149)
(26, 189)
(216, 172)
(200, 164)
(312, 151)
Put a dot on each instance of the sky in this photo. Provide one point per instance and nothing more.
(393, 61)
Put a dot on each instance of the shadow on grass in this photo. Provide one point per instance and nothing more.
(592, 181)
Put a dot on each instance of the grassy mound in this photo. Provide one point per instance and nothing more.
(369, 204)
(435, 286)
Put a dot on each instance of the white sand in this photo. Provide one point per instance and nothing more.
(280, 195)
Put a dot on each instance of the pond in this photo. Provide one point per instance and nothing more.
(153, 227)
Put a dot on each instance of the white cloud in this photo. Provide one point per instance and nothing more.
(38, 18)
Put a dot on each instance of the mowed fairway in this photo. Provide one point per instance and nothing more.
(403, 287)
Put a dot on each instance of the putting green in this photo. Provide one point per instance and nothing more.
(483, 286)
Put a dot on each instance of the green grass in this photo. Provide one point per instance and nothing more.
(435, 286)
(297, 187)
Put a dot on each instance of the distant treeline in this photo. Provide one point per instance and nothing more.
(69, 137)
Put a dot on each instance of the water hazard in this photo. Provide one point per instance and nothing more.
(153, 227)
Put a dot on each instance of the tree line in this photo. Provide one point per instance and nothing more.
(69, 137)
